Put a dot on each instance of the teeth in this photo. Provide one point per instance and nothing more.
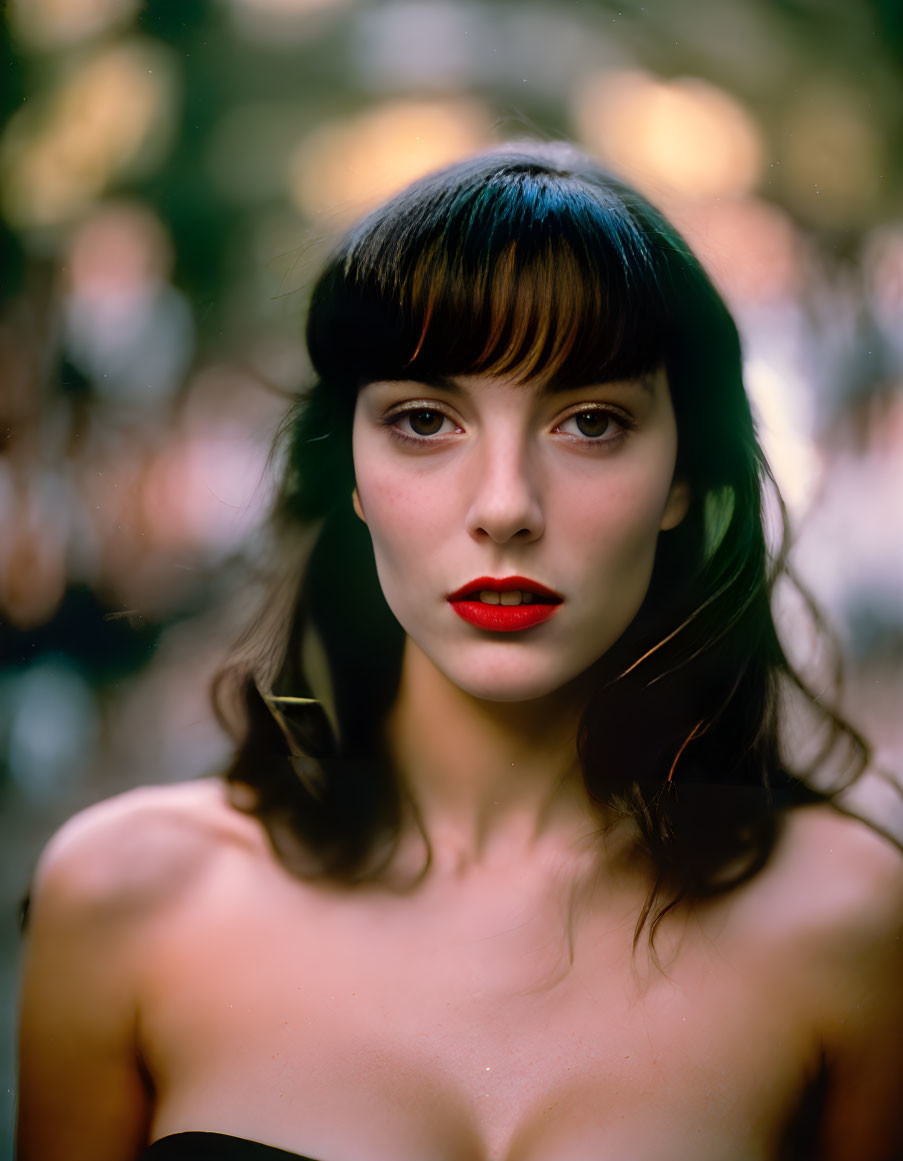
(512, 597)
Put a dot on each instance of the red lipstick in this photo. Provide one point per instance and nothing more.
(504, 618)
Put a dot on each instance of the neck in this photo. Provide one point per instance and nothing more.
(490, 781)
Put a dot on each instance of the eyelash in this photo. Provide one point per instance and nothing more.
(626, 423)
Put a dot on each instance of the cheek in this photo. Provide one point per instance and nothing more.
(623, 519)
(618, 528)
(393, 501)
(402, 517)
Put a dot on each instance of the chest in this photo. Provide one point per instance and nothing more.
(499, 1037)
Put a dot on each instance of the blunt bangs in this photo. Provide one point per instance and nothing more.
(529, 263)
(499, 266)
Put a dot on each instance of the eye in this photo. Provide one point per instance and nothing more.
(424, 421)
(597, 424)
(417, 424)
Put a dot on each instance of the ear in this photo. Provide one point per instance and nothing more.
(356, 501)
(677, 505)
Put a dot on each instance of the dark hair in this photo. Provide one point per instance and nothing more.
(526, 260)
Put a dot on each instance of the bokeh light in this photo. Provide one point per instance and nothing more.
(280, 24)
(345, 167)
(684, 138)
(833, 157)
(110, 116)
(59, 24)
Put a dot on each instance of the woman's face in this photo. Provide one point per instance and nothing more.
(482, 478)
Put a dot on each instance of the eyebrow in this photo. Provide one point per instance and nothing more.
(551, 388)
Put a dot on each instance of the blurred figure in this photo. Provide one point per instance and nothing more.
(849, 547)
(32, 548)
(126, 328)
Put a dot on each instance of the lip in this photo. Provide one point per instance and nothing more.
(505, 585)
(504, 618)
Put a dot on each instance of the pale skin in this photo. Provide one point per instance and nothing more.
(178, 978)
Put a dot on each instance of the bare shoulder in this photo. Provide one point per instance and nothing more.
(839, 882)
(102, 882)
(829, 902)
(138, 849)
(826, 916)
(847, 875)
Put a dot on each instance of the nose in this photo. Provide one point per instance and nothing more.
(506, 498)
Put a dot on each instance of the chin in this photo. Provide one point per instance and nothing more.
(508, 693)
(519, 683)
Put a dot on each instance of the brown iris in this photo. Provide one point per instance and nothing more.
(433, 421)
(592, 423)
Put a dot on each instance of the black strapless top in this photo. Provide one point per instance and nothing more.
(214, 1147)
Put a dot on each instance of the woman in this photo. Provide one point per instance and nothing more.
(511, 861)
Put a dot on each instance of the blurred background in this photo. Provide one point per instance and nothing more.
(171, 173)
